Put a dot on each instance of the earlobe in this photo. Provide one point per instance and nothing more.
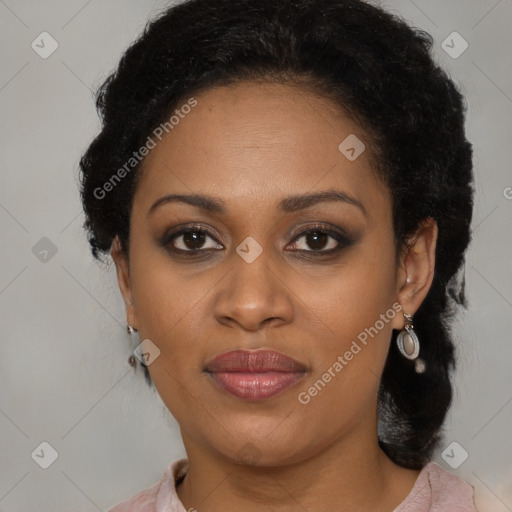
(417, 267)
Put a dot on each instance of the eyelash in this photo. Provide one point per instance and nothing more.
(343, 240)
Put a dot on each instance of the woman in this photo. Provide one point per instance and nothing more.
(286, 191)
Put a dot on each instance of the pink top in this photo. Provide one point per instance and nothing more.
(435, 490)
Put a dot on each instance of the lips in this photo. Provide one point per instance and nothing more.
(254, 375)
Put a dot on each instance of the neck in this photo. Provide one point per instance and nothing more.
(352, 473)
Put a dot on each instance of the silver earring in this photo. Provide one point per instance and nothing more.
(407, 341)
(409, 345)
(132, 361)
(130, 329)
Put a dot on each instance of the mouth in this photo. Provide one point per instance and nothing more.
(254, 375)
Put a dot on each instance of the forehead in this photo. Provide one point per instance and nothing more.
(254, 143)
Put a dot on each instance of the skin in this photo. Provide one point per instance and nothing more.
(251, 145)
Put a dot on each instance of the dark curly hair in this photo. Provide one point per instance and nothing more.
(381, 72)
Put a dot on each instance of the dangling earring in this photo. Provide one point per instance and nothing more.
(409, 345)
(132, 360)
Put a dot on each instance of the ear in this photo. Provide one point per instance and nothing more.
(416, 269)
(123, 279)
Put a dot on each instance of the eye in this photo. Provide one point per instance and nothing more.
(191, 239)
(318, 237)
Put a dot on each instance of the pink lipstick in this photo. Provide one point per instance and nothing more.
(254, 375)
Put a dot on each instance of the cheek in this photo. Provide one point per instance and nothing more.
(355, 306)
(359, 289)
(163, 301)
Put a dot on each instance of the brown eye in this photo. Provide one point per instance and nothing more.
(320, 240)
(192, 239)
(317, 239)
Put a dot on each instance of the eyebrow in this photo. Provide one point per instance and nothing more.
(289, 204)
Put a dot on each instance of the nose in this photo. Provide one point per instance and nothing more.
(253, 296)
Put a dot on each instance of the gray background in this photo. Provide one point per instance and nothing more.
(64, 377)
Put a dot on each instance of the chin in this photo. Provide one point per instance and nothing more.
(256, 448)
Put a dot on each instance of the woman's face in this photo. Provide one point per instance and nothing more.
(258, 280)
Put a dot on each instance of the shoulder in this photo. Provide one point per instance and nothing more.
(159, 497)
(438, 490)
